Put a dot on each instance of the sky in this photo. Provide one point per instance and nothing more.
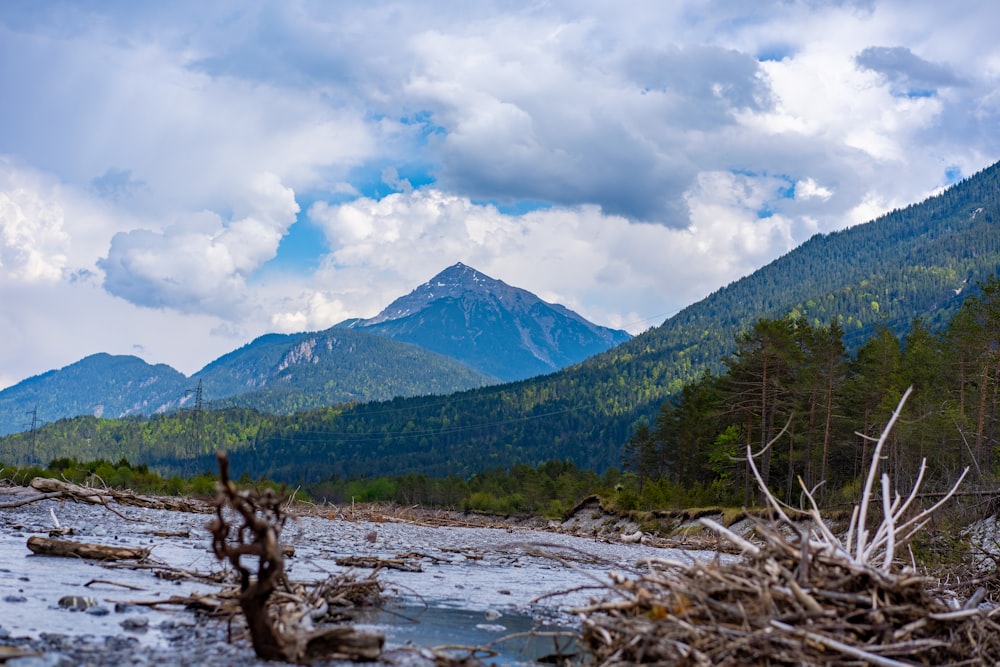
(179, 178)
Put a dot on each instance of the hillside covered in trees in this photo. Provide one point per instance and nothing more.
(794, 384)
(918, 262)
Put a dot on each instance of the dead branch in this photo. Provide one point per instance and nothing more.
(59, 488)
(274, 635)
(33, 499)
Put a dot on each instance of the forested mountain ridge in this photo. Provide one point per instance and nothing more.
(920, 261)
(284, 373)
(277, 373)
(503, 331)
(100, 384)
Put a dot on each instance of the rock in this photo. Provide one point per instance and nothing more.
(15, 598)
(77, 602)
(97, 610)
(135, 624)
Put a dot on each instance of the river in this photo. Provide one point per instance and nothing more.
(476, 585)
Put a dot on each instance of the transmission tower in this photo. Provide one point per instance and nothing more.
(34, 426)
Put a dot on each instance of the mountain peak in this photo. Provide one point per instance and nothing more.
(460, 274)
(457, 281)
(498, 329)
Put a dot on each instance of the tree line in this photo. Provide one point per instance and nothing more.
(792, 378)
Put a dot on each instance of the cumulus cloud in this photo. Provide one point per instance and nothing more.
(200, 264)
(33, 239)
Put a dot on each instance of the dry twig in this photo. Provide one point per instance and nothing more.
(799, 596)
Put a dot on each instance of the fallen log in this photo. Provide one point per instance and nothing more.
(46, 546)
(343, 642)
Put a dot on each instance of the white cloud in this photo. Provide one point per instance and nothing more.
(808, 188)
(200, 264)
(33, 241)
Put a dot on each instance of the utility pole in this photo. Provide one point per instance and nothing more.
(199, 421)
(197, 396)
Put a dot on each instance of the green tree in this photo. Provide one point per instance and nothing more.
(758, 388)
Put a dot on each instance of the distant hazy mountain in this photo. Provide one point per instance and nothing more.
(101, 385)
(500, 330)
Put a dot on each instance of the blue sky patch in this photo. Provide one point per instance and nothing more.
(519, 207)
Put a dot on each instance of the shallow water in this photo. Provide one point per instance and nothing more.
(477, 584)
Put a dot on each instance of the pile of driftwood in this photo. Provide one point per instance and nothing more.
(799, 595)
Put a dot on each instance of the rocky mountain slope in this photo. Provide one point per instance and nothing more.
(503, 331)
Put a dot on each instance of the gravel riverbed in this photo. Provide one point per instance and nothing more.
(476, 585)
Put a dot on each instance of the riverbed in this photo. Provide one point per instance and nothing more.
(475, 586)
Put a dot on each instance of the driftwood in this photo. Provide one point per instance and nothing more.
(47, 546)
(800, 595)
(54, 488)
(274, 636)
(10, 504)
(371, 562)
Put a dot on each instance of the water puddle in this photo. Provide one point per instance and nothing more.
(507, 639)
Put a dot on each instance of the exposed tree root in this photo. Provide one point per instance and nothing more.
(279, 619)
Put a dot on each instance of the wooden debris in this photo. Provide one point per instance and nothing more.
(107, 582)
(799, 596)
(342, 642)
(401, 564)
(47, 546)
(276, 632)
(31, 499)
(11, 652)
(54, 488)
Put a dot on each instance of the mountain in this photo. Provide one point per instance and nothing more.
(102, 385)
(280, 373)
(275, 373)
(503, 331)
(920, 261)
